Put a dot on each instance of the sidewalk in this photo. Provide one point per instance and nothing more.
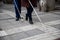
(22, 30)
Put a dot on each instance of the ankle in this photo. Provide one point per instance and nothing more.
(31, 22)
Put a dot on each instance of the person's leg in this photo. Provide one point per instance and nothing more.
(17, 14)
(29, 14)
(16, 9)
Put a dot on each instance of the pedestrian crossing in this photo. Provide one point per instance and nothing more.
(2, 33)
(37, 31)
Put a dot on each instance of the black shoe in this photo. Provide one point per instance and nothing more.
(26, 17)
(17, 19)
(31, 22)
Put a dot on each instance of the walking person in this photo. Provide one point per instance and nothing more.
(29, 8)
(29, 14)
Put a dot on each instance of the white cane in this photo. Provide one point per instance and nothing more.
(36, 14)
(18, 11)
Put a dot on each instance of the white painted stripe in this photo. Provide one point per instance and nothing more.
(47, 29)
(47, 23)
(11, 13)
(20, 29)
(53, 22)
(50, 32)
(44, 36)
(2, 13)
(3, 33)
(42, 27)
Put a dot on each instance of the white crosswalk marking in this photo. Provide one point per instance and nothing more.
(20, 29)
(3, 33)
(44, 28)
(43, 36)
(53, 22)
(50, 32)
(13, 13)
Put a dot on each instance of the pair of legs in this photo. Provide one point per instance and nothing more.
(28, 15)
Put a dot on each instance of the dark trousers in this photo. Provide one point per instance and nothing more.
(19, 8)
(17, 13)
(29, 12)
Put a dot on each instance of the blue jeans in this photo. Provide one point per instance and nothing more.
(19, 8)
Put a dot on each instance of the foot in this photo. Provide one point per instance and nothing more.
(17, 19)
(31, 22)
(26, 17)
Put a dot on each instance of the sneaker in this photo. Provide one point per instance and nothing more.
(17, 19)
